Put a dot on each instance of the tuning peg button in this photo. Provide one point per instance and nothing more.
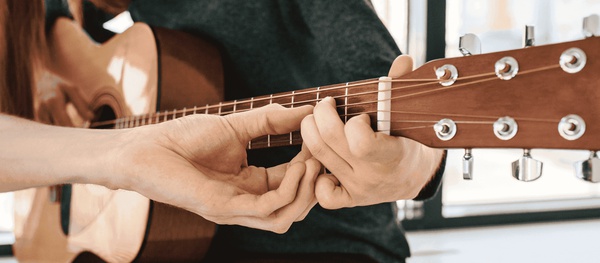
(469, 44)
(468, 165)
(589, 170)
(591, 26)
(528, 37)
(526, 168)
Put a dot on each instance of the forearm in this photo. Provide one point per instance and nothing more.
(33, 154)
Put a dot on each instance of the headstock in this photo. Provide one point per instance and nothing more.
(535, 97)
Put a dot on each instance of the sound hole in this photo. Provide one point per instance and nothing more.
(103, 114)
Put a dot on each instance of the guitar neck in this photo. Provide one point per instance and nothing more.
(352, 98)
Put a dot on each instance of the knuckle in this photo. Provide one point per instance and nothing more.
(281, 227)
(326, 201)
(264, 211)
(274, 106)
(361, 148)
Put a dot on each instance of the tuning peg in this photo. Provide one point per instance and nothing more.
(468, 165)
(591, 26)
(528, 37)
(526, 168)
(469, 44)
(585, 169)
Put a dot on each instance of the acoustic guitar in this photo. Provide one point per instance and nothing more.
(121, 78)
(535, 97)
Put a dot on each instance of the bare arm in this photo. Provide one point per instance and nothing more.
(196, 162)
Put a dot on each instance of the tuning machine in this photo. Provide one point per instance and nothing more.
(526, 168)
(528, 37)
(585, 170)
(591, 26)
(469, 44)
(468, 165)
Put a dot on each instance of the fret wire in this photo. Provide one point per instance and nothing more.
(174, 114)
(206, 110)
(346, 104)
(251, 106)
(292, 106)
(143, 120)
(166, 114)
(157, 116)
(234, 105)
(318, 93)
(195, 108)
(184, 109)
(220, 105)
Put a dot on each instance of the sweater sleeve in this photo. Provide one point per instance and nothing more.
(431, 188)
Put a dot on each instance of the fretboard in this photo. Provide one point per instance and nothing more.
(351, 98)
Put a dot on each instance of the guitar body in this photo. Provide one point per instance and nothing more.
(120, 78)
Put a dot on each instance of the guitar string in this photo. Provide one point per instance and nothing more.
(160, 116)
(420, 93)
(430, 81)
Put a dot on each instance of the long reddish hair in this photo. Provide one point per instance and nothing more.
(21, 53)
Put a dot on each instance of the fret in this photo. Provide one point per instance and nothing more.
(292, 106)
(143, 120)
(318, 94)
(206, 109)
(137, 121)
(157, 116)
(228, 108)
(271, 99)
(220, 106)
(251, 107)
(184, 110)
(258, 102)
(346, 104)
(276, 141)
(195, 108)
(130, 122)
(166, 114)
(174, 114)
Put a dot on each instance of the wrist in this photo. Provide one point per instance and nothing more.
(96, 157)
